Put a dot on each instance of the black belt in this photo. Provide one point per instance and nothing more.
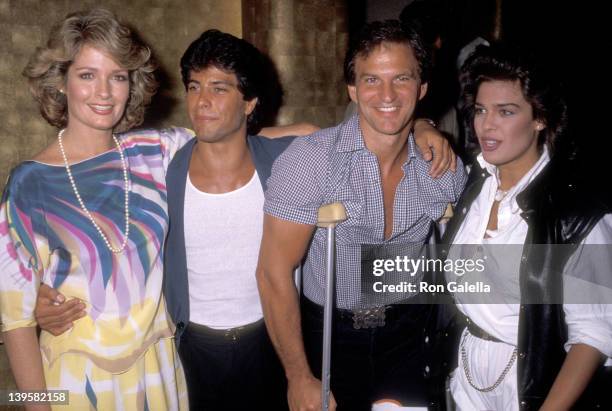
(372, 317)
(478, 332)
(231, 334)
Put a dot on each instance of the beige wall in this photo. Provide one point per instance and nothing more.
(167, 25)
(307, 40)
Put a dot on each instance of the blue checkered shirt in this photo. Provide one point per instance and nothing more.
(334, 165)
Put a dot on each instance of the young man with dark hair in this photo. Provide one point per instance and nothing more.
(216, 189)
(371, 165)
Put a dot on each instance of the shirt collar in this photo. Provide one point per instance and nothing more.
(351, 138)
(526, 179)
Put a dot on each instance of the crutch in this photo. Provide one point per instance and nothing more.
(297, 277)
(442, 223)
(330, 215)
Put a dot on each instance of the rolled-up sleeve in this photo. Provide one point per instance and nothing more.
(591, 324)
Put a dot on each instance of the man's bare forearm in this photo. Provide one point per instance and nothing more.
(282, 315)
(283, 245)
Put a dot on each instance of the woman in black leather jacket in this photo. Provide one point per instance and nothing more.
(512, 355)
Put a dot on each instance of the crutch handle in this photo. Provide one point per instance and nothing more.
(331, 215)
(448, 214)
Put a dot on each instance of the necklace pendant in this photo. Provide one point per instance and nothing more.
(500, 194)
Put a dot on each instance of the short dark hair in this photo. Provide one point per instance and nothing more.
(231, 54)
(374, 34)
(506, 62)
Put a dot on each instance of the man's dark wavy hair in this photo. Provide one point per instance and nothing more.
(505, 62)
(230, 54)
(374, 34)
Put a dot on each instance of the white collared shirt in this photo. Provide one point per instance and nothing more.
(499, 320)
(587, 323)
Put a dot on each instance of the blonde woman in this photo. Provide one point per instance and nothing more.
(88, 217)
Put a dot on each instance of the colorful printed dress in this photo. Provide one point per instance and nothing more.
(121, 355)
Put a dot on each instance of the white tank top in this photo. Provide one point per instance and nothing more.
(222, 238)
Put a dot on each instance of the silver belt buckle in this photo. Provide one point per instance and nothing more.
(369, 317)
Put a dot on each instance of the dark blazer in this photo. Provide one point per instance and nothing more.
(176, 289)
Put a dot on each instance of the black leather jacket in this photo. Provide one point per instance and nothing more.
(557, 211)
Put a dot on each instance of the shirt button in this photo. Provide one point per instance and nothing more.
(464, 211)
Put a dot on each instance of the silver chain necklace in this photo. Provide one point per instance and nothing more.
(126, 181)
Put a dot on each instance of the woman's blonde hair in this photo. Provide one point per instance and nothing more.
(99, 28)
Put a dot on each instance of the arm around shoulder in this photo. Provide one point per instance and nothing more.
(297, 129)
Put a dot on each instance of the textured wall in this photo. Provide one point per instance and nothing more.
(168, 26)
(306, 39)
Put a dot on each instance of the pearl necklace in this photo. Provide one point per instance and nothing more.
(126, 181)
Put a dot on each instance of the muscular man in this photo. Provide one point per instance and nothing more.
(370, 164)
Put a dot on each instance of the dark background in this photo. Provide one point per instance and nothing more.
(570, 37)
